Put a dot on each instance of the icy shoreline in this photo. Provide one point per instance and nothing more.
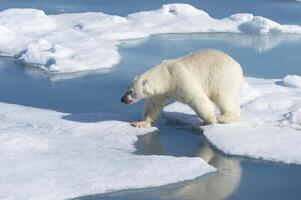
(66, 43)
(270, 125)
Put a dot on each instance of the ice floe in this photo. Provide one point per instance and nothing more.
(50, 155)
(88, 41)
(270, 125)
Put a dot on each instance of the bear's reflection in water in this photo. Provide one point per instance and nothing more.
(214, 186)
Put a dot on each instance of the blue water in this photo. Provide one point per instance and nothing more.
(100, 91)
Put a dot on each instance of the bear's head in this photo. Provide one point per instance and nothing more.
(140, 88)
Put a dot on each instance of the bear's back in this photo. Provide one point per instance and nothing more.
(209, 63)
(213, 69)
(208, 59)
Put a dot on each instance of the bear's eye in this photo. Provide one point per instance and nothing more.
(130, 92)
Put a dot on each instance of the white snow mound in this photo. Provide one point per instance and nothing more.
(292, 81)
(270, 125)
(88, 41)
(50, 155)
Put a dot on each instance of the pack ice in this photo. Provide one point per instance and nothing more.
(88, 41)
(270, 127)
(51, 155)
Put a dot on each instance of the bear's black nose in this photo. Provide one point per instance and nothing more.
(122, 99)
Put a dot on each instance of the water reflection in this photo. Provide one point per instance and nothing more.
(259, 43)
(213, 187)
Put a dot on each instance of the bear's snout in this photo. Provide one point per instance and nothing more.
(125, 99)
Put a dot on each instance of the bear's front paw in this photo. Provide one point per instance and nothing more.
(141, 124)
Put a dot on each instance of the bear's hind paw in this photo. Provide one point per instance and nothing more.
(226, 118)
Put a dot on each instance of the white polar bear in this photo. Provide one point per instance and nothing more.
(197, 79)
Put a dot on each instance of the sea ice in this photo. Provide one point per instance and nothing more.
(88, 41)
(270, 125)
(51, 155)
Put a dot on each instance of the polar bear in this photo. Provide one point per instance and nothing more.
(198, 80)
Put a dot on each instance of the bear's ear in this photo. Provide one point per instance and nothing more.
(147, 88)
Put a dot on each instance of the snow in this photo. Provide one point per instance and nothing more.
(292, 81)
(270, 125)
(67, 43)
(50, 155)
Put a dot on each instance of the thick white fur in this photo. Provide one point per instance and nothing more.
(197, 80)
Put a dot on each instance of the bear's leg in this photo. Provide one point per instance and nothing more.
(152, 109)
(191, 93)
(230, 110)
(202, 105)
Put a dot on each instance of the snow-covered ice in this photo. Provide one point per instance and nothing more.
(292, 81)
(88, 41)
(270, 125)
(50, 155)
